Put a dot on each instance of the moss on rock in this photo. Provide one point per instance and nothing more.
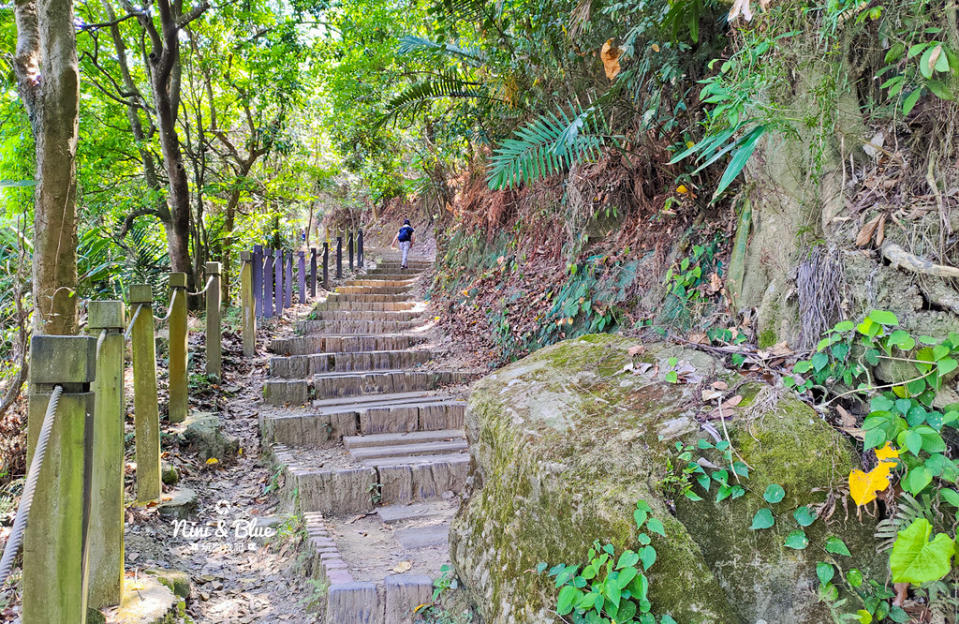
(567, 440)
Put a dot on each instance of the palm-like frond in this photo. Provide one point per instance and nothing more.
(411, 44)
(446, 85)
(549, 144)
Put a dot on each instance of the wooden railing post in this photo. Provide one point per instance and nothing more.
(106, 491)
(214, 347)
(359, 249)
(268, 284)
(54, 550)
(247, 301)
(179, 405)
(349, 247)
(145, 403)
(288, 281)
(326, 266)
(312, 272)
(301, 275)
(258, 280)
(339, 257)
(278, 281)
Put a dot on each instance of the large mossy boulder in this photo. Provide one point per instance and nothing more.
(567, 440)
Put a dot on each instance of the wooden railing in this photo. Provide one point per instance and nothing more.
(73, 542)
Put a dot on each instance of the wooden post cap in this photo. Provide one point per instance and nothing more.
(62, 359)
(246, 256)
(141, 293)
(105, 315)
(177, 280)
(212, 268)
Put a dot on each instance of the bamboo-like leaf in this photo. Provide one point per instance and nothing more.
(747, 145)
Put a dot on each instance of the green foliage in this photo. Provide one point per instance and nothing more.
(444, 582)
(611, 588)
(546, 145)
(901, 413)
(916, 559)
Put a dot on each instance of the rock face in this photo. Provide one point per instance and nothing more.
(567, 440)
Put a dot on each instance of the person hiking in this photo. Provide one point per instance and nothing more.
(405, 239)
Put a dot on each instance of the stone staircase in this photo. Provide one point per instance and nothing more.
(369, 440)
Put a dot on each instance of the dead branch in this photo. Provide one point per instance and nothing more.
(900, 258)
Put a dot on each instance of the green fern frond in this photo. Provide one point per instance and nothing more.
(411, 44)
(447, 85)
(549, 144)
(462, 9)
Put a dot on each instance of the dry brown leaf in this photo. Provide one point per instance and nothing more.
(720, 385)
(723, 411)
(698, 338)
(847, 420)
(715, 283)
(867, 231)
(881, 230)
(859, 434)
(934, 56)
(610, 56)
(710, 395)
(403, 566)
(636, 350)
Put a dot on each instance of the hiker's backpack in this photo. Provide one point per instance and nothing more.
(406, 233)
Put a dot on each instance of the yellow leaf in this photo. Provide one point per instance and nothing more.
(682, 189)
(655, 48)
(689, 144)
(887, 452)
(863, 486)
(212, 461)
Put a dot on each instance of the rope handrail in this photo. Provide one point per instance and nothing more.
(26, 500)
(169, 308)
(100, 339)
(126, 334)
(205, 288)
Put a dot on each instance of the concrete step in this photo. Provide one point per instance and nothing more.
(342, 305)
(404, 451)
(419, 478)
(393, 514)
(329, 385)
(399, 439)
(304, 366)
(355, 558)
(408, 275)
(394, 262)
(378, 290)
(341, 486)
(365, 294)
(374, 280)
(363, 315)
(358, 327)
(333, 385)
(307, 345)
(325, 426)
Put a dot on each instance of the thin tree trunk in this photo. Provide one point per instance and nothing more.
(48, 79)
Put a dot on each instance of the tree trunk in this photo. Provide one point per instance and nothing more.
(48, 80)
(164, 63)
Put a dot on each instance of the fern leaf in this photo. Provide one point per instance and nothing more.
(545, 146)
(411, 44)
(447, 85)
